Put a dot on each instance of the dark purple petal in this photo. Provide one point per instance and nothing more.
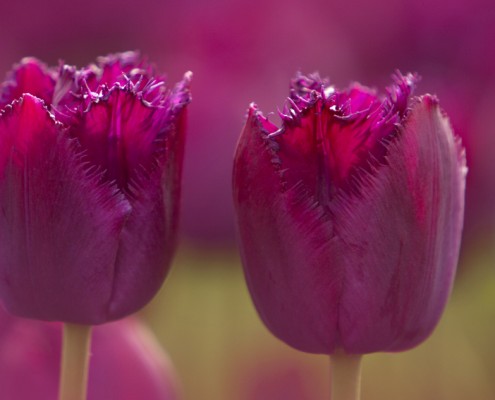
(344, 132)
(148, 239)
(124, 135)
(72, 93)
(59, 226)
(296, 298)
(401, 237)
(76, 90)
(121, 136)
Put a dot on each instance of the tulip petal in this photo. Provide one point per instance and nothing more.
(116, 67)
(121, 135)
(29, 76)
(291, 286)
(124, 131)
(52, 210)
(148, 239)
(342, 132)
(401, 237)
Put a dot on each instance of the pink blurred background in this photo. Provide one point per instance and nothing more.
(241, 52)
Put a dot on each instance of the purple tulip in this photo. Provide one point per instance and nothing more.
(350, 216)
(90, 166)
(127, 362)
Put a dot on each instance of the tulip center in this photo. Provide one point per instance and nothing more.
(350, 133)
(119, 111)
(119, 135)
(331, 138)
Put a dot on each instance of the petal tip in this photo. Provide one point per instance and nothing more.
(431, 100)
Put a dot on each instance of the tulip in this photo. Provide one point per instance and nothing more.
(128, 363)
(90, 166)
(350, 216)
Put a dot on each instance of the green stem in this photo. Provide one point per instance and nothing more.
(346, 376)
(75, 362)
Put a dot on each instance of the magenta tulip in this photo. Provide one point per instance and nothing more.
(127, 362)
(350, 216)
(90, 166)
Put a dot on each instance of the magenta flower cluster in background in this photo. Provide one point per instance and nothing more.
(127, 362)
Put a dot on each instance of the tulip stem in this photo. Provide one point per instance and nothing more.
(75, 362)
(346, 376)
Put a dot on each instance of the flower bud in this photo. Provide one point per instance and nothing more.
(90, 167)
(350, 216)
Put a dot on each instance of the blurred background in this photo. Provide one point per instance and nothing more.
(241, 52)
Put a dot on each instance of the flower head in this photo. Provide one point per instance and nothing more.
(350, 216)
(90, 166)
